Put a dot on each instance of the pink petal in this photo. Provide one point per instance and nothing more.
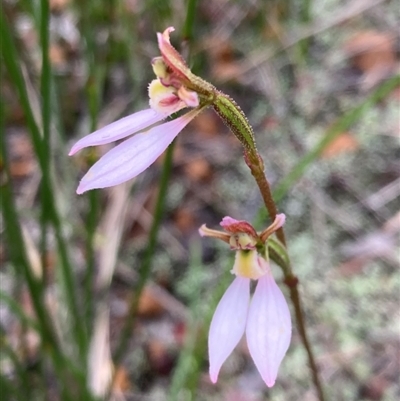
(228, 324)
(234, 226)
(133, 156)
(268, 328)
(227, 221)
(170, 55)
(119, 129)
(279, 220)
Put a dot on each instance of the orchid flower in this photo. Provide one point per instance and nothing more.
(265, 318)
(174, 89)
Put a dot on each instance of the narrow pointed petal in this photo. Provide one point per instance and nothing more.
(204, 231)
(268, 329)
(119, 129)
(276, 225)
(133, 156)
(228, 324)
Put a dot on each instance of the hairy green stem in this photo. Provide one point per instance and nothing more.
(235, 119)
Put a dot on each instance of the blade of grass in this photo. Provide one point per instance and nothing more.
(130, 43)
(16, 249)
(45, 91)
(10, 58)
(187, 33)
(93, 90)
(49, 342)
(305, 15)
(45, 79)
(17, 311)
(342, 124)
(9, 391)
(20, 372)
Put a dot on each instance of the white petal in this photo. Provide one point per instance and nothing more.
(268, 329)
(228, 324)
(133, 156)
(119, 129)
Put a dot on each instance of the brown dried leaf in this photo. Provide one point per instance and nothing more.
(373, 53)
(226, 70)
(343, 143)
(58, 5)
(185, 221)
(22, 162)
(369, 49)
(160, 359)
(374, 389)
(57, 55)
(207, 124)
(392, 226)
(21, 168)
(149, 306)
(198, 170)
(121, 380)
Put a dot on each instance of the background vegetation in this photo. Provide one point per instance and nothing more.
(116, 284)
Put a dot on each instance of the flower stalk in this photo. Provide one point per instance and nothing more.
(237, 122)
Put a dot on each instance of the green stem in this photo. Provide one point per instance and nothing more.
(16, 309)
(88, 280)
(187, 33)
(45, 84)
(145, 268)
(45, 90)
(20, 370)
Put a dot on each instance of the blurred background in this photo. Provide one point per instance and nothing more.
(116, 286)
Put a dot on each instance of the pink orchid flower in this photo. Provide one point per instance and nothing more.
(172, 91)
(265, 318)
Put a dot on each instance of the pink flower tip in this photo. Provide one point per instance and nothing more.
(214, 376)
(227, 221)
(165, 34)
(269, 382)
(201, 230)
(280, 220)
